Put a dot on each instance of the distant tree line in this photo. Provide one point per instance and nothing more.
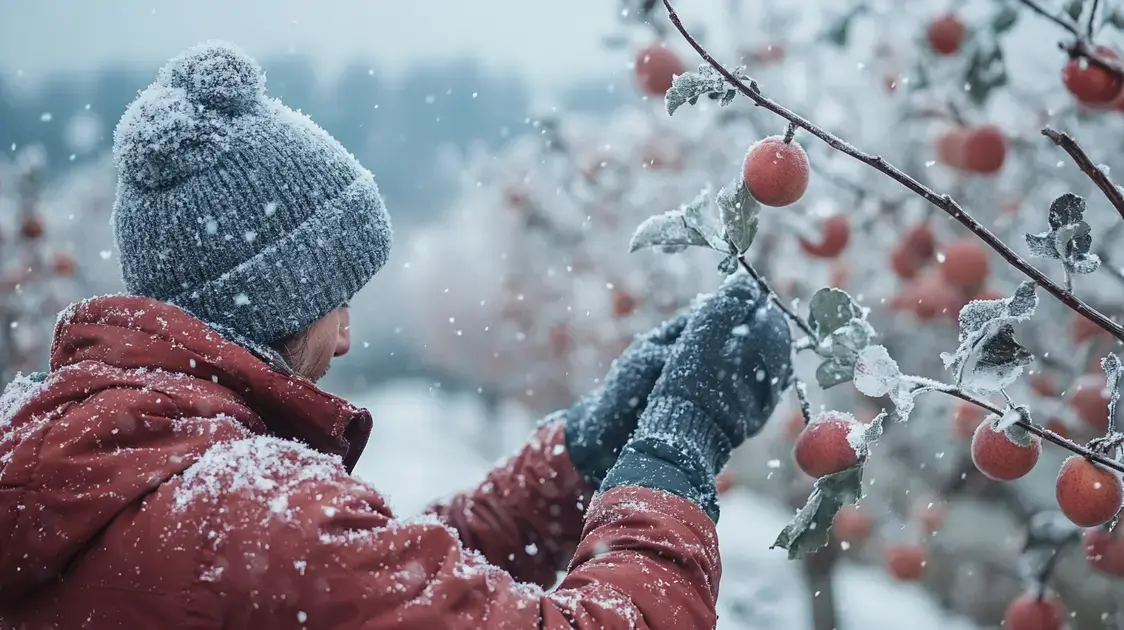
(395, 127)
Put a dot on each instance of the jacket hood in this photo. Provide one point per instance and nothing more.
(66, 466)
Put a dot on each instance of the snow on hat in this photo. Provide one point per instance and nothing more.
(236, 208)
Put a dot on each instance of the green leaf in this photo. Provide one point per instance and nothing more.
(728, 265)
(838, 33)
(810, 529)
(739, 212)
(986, 72)
(1073, 9)
(831, 373)
(831, 309)
(1069, 238)
(1005, 19)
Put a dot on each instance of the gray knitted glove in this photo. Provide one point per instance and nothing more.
(721, 383)
(599, 424)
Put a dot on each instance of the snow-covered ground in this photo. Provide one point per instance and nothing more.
(427, 444)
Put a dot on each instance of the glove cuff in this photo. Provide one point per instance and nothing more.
(677, 449)
(683, 423)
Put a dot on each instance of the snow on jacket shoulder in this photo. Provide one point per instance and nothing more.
(162, 477)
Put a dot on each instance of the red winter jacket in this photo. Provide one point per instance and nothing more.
(163, 477)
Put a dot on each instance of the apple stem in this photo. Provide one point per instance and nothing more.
(1092, 20)
(789, 133)
(942, 201)
(1081, 159)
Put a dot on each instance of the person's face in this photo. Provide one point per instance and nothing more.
(327, 338)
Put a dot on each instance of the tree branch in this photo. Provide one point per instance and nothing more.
(942, 202)
(1023, 422)
(764, 284)
(1081, 159)
(1034, 6)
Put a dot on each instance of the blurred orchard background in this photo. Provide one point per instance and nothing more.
(520, 145)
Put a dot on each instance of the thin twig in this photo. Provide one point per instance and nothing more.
(1034, 6)
(764, 284)
(1079, 47)
(1045, 434)
(1081, 159)
(943, 202)
(1092, 19)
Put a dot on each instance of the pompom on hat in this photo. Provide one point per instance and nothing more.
(236, 208)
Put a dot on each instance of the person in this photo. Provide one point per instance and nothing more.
(177, 467)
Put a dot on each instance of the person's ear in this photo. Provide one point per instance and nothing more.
(343, 335)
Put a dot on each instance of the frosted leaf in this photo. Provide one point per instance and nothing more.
(739, 212)
(841, 349)
(668, 231)
(829, 374)
(903, 399)
(810, 529)
(998, 363)
(728, 265)
(1069, 238)
(831, 309)
(876, 372)
(706, 81)
(1112, 369)
(988, 357)
(696, 219)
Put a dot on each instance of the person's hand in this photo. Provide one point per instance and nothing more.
(721, 382)
(599, 424)
(733, 361)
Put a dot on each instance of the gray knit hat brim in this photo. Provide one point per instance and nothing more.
(347, 240)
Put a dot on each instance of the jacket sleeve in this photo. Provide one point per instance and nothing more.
(301, 549)
(526, 517)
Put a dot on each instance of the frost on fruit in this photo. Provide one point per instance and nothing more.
(706, 81)
(739, 211)
(1069, 238)
(809, 530)
(842, 331)
(989, 358)
(1008, 424)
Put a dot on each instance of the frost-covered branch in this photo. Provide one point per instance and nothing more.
(941, 201)
(764, 284)
(1081, 159)
(1025, 423)
(1080, 47)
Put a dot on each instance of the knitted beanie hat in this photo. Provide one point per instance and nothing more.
(234, 207)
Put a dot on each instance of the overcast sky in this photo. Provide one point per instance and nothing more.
(550, 40)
